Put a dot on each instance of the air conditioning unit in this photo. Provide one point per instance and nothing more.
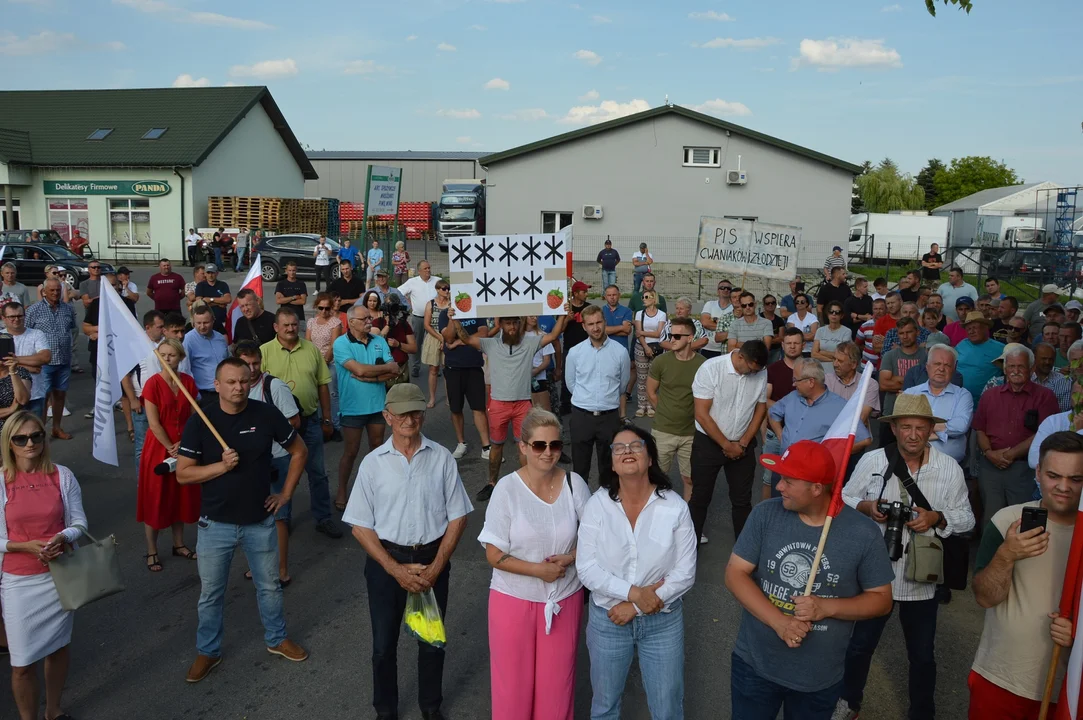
(592, 212)
(736, 177)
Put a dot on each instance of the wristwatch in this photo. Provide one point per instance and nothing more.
(325, 422)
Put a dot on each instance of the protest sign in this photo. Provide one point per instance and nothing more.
(747, 247)
(509, 275)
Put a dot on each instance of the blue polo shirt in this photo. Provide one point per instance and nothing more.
(360, 397)
(616, 317)
(801, 421)
(204, 354)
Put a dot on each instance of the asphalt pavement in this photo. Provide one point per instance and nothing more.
(130, 652)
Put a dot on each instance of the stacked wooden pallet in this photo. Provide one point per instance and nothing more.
(303, 216)
(247, 212)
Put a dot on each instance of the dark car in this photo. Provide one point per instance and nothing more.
(1034, 265)
(274, 251)
(31, 259)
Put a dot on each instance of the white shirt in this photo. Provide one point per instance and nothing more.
(803, 325)
(612, 557)
(407, 503)
(322, 253)
(651, 324)
(539, 357)
(734, 396)
(128, 289)
(419, 293)
(643, 257)
(941, 482)
(520, 523)
(711, 308)
(281, 398)
(31, 342)
(193, 239)
(1052, 424)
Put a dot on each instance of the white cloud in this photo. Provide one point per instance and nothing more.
(498, 84)
(526, 115)
(588, 56)
(606, 110)
(411, 38)
(891, 8)
(180, 14)
(711, 15)
(834, 54)
(266, 69)
(723, 108)
(467, 114)
(479, 28)
(600, 19)
(186, 81)
(44, 42)
(444, 47)
(589, 95)
(365, 67)
(464, 139)
(114, 45)
(742, 44)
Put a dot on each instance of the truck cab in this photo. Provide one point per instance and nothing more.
(461, 211)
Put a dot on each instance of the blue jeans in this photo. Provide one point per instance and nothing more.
(756, 698)
(281, 467)
(215, 544)
(319, 495)
(660, 641)
(218, 258)
(609, 277)
(141, 428)
(637, 280)
(238, 261)
(336, 420)
(918, 619)
(771, 446)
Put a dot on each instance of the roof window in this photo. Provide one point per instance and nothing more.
(99, 134)
(154, 133)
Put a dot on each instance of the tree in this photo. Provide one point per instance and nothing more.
(885, 189)
(966, 5)
(970, 174)
(855, 196)
(925, 180)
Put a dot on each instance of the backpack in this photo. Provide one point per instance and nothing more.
(268, 398)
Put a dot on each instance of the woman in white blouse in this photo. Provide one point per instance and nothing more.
(637, 556)
(535, 598)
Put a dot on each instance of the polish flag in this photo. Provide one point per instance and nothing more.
(253, 280)
(1068, 702)
(840, 437)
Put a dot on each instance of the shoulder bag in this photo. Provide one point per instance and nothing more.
(89, 574)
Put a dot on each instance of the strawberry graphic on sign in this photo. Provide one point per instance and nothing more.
(554, 299)
(463, 302)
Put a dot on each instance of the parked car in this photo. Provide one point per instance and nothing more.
(274, 251)
(1035, 265)
(31, 259)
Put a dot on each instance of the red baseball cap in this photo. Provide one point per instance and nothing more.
(804, 460)
(579, 285)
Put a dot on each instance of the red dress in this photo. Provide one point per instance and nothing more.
(161, 500)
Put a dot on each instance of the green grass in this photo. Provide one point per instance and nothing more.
(1021, 291)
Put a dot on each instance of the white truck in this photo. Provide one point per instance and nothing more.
(903, 236)
(1004, 231)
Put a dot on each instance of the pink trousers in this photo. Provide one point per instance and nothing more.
(533, 674)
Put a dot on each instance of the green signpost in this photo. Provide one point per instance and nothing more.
(381, 198)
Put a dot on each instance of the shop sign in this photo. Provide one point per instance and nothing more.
(143, 188)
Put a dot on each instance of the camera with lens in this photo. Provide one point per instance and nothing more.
(898, 514)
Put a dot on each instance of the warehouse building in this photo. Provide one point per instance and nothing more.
(132, 169)
(980, 214)
(650, 176)
(342, 173)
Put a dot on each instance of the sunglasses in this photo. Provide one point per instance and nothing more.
(445, 287)
(539, 446)
(678, 336)
(770, 302)
(323, 307)
(834, 312)
(726, 288)
(94, 267)
(748, 305)
(37, 438)
(20, 316)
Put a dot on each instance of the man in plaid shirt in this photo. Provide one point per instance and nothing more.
(57, 320)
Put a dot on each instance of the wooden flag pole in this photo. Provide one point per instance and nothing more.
(819, 556)
(1049, 680)
(192, 400)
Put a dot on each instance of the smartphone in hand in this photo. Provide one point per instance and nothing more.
(1033, 517)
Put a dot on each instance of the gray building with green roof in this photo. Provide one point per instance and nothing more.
(650, 176)
(132, 169)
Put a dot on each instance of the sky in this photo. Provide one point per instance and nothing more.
(856, 79)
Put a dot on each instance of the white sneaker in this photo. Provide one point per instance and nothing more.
(460, 450)
(843, 711)
(702, 539)
(485, 454)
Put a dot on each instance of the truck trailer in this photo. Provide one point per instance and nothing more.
(895, 236)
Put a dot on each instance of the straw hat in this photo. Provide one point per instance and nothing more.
(976, 316)
(912, 406)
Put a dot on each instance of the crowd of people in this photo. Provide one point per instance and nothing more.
(969, 424)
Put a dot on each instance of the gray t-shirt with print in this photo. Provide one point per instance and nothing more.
(742, 331)
(510, 366)
(782, 548)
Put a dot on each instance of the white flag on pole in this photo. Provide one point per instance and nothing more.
(122, 343)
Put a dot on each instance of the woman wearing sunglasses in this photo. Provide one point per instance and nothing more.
(649, 322)
(804, 321)
(41, 511)
(432, 349)
(535, 597)
(322, 332)
(637, 556)
(830, 336)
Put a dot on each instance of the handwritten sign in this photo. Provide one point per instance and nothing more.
(383, 192)
(744, 247)
(509, 275)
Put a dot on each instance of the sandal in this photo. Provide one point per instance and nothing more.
(155, 565)
(185, 552)
(340, 506)
(131, 434)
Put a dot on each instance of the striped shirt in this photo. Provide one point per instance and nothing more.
(833, 262)
(1059, 384)
(941, 482)
(891, 339)
(864, 340)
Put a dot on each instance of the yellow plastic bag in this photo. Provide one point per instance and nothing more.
(422, 619)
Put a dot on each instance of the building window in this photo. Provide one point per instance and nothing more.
(702, 157)
(67, 215)
(99, 134)
(129, 223)
(554, 221)
(4, 214)
(154, 133)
